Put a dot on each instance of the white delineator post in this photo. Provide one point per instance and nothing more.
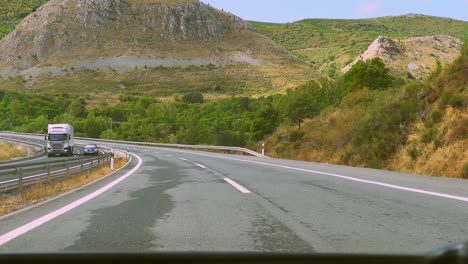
(263, 149)
(112, 160)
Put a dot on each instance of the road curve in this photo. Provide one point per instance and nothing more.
(180, 200)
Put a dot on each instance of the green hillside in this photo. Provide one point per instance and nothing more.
(13, 11)
(320, 42)
(419, 127)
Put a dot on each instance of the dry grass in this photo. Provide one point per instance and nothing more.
(9, 151)
(446, 158)
(325, 138)
(43, 191)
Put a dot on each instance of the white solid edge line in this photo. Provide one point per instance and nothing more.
(46, 218)
(201, 166)
(183, 159)
(239, 187)
(392, 186)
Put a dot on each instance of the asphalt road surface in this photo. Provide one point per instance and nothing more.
(180, 200)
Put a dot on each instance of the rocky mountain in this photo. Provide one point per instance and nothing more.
(63, 36)
(418, 56)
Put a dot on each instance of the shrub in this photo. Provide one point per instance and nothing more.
(295, 135)
(436, 116)
(457, 100)
(413, 152)
(465, 170)
(429, 134)
(193, 98)
(460, 129)
(297, 145)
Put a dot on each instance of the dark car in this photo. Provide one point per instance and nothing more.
(91, 149)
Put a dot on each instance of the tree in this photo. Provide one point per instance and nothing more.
(302, 104)
(371, 73)
(265, 121)
(94, 126)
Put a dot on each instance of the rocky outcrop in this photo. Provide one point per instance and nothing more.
(63, 32)
(418, 56)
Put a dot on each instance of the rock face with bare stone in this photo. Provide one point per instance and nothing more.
(417, 55)
(124, 34)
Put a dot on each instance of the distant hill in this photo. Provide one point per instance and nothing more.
(330, 44)
(152, 47)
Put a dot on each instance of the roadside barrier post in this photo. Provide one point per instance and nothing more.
(112, 162)
(48, 172)
(20, 176)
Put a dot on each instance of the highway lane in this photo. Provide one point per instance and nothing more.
(187, 200)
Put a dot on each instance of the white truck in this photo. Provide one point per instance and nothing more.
(60, 139)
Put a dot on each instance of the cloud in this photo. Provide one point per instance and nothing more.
(369, 7)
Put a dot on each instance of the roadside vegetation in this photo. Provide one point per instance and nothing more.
(418, 127)
(10, 151)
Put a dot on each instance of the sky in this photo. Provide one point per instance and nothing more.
(283, 11)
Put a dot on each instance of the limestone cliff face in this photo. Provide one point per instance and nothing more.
(418, 55)
(66, 31)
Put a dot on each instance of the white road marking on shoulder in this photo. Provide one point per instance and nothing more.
(183, 159)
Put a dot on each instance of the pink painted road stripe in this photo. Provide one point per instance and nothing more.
(46, 218)
(239, 187)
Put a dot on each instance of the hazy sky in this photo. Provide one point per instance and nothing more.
(293, 10)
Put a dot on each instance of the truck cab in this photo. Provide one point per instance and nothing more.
(60, 140)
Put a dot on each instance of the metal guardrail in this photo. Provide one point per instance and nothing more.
(238, 149)
(44, 171)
